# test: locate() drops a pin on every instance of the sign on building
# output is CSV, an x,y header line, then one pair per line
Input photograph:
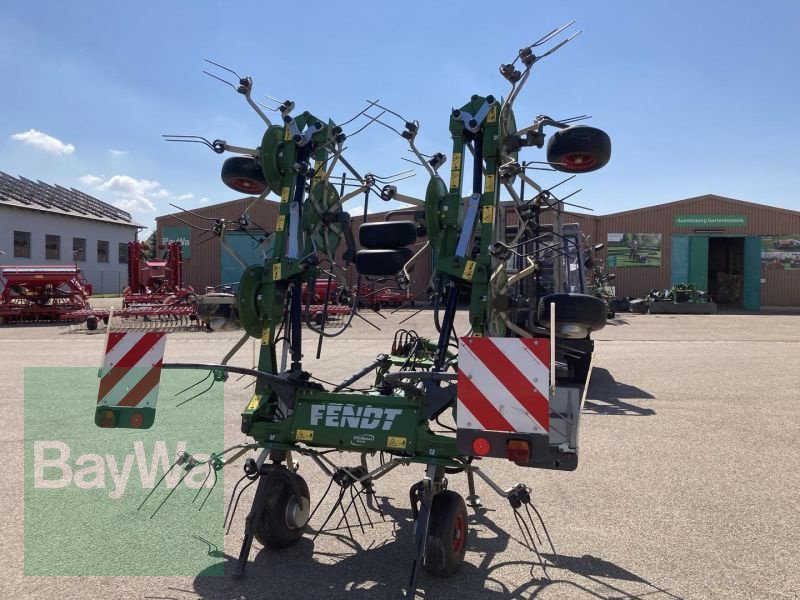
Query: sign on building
x,y
710,220
177,234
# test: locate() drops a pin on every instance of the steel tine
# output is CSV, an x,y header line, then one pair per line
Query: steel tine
x,y
230,502
236,505
223,67
195,384
557,46
221,79
213,485
159,482
549,36
196,395
180,481
200,489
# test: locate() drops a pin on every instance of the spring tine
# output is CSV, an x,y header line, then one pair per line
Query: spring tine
x,y
236,504
544,527
389,127
330,514
328,489
390,111
195,384
164,476
211,385
549,36
370,104
559,45
220,79
180,481
223,67
364,506
370,122
233,493
200,489
416,313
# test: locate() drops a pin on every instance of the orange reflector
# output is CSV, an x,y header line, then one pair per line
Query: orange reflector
x,y
107,418
480,446
136,420
519,451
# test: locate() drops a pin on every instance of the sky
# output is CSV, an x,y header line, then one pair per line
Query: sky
x,y
698,97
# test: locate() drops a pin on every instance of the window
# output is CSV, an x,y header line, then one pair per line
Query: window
x,y
123,253
79,249
22,244
52,247
102,251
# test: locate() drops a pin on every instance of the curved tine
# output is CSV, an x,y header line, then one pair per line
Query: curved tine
x,y
413,162
262,105
396,179
544,527
194,214
324,495
557,46
224,67
390,111
549,36
386,178
370,104
236,505
195,139
196,395
195,384
370,122
574,119
389,127
221,79
213,485
200,489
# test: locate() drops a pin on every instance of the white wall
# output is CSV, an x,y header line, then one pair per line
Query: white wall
x,y
106,278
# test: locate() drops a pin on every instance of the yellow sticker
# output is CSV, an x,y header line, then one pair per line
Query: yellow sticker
x,y
276,271
254,402
285,194
455,178
304,435
488,185
319,171
456,161
287,134
487,214
469,269
492,116
396,442
265,333
280,223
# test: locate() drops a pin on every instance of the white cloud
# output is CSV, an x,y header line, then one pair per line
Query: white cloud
x,y
184,197
45,142
204,200
90,180
125,184
118,152
135,204
162,193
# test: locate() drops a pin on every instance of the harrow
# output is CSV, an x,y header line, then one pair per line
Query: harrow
x,y
513,385
42,293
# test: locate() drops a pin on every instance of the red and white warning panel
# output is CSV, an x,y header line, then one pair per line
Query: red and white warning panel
x,y
129,379
503,395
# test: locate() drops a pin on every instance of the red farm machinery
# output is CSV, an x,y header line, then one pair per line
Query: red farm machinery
x,y
42,293
155,281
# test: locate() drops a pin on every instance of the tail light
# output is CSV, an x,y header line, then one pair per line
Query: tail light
x,y
519,451
480,446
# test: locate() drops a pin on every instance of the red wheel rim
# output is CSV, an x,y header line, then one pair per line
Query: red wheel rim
x,y
458,534
578,161
246,185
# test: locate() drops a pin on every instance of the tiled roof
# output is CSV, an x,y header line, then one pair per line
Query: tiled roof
x,y
36,195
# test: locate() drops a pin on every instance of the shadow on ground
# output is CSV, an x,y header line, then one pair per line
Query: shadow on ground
x,y
607,396
380,569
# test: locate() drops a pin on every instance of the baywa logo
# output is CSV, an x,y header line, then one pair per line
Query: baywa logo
x,y
56,466
102,502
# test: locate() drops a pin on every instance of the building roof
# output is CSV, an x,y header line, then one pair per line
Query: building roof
x,y
35,195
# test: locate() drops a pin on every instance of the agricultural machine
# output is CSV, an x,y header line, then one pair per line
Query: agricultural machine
x,y
41,293
156,281
511,387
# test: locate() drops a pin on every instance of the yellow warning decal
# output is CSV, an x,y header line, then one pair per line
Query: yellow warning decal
x,y
455,178
285,194
276,271
319,171
492,116
254,402
469,270
287,134
487,214
396,442
456,161
280,223
489,184
265,333
304,435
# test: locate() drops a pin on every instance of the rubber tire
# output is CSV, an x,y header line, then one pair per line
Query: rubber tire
x,y
575,140
382,263
444,553
91,323
271,530
578,309
243,174
391,234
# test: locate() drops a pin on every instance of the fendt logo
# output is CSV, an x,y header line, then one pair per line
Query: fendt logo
x,y
356,417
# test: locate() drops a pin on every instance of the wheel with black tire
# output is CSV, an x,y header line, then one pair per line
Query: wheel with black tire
x,y
579,149
91,323
390,234
577,315
382,263
243,174
447,534
284,515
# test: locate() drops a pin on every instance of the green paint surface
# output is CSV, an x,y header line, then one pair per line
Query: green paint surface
x,y
78,521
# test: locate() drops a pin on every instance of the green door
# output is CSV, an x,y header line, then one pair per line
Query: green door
x,y
698,262
751,296
679,259
248,249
